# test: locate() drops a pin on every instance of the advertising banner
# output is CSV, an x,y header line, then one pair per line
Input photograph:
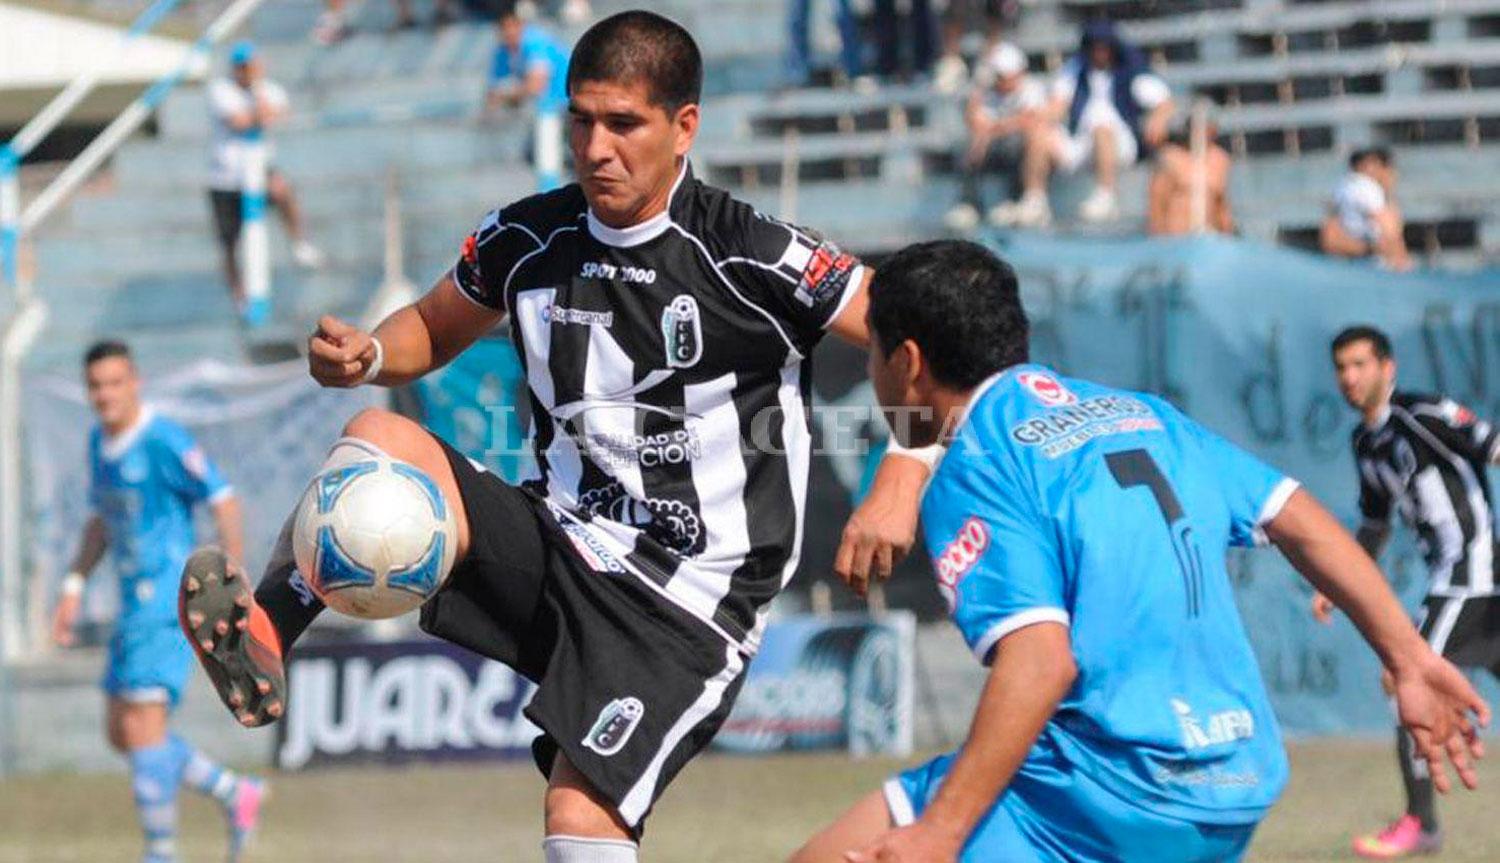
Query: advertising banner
x,y
400,701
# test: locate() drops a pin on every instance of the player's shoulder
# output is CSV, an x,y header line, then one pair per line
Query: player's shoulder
x,y
728,226
542,213
165,430
1421,404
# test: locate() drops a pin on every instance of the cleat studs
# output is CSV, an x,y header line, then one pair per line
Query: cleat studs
x,y
263,686
195,619
242,624
273,710
247,719
191,585
236,700
243,600
206,643
222,627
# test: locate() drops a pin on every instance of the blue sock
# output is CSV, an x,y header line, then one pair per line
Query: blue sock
x,y
203,774
154,773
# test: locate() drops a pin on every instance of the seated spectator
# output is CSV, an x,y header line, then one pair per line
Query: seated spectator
x,y
1364,220
1005,104
333,25
1109,110
1174,180
531,67
243,108
799,56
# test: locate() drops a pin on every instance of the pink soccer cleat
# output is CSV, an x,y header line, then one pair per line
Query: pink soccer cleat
x,y
244,813
1403,838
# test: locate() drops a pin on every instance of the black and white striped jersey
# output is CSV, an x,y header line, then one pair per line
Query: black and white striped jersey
x,y
1427,458
667,366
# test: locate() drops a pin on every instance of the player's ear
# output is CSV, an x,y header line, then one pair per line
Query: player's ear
x,y
911,363
685,128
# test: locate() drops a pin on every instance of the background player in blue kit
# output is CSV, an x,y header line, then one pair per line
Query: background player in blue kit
x,y
146,475
531,65
1079,535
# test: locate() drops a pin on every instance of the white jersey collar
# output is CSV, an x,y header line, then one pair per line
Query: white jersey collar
x,y
640,232
111,447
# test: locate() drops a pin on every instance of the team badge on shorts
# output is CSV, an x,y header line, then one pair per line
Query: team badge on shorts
x,y
683,332
1047,389
616,722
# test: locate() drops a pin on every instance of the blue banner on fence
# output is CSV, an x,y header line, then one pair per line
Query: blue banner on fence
x,y
828,682
400,701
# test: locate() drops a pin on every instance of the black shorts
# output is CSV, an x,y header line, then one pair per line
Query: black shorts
x,y
1465,630
630,687
229,214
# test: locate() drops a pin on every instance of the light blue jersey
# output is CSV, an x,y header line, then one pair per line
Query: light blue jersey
x,y
539,50
1111,512
144,483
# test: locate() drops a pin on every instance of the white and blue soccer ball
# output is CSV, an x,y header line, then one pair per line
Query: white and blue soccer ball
x,y
374,538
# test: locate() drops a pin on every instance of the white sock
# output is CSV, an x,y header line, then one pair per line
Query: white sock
x,y
350,449
578,849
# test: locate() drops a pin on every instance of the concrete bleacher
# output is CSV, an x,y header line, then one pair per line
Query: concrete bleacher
x,y
1301,83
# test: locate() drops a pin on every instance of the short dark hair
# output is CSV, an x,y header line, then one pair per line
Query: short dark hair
x,y
1362,333
104,349
1379,154
507,9
959,302
641,46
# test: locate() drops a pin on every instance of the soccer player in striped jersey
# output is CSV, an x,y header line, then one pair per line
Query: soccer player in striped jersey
x,y
1424,456
146,475
665,330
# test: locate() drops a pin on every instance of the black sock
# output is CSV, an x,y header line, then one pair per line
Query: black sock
x,y
1421,800
285,597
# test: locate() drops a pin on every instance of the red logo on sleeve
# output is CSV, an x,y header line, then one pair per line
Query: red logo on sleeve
x,y
826,274
471,250
959,557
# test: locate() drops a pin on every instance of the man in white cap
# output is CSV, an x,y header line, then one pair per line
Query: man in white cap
x,y
1005,103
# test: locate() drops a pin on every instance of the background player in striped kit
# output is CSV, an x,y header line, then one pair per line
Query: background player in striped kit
x,y
665,330
1424,456
147,474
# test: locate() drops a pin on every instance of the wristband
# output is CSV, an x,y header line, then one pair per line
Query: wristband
x,y
376,364
927,455
72,585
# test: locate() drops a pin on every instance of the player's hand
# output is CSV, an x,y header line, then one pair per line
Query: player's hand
x,y
879,533
1443,713
339,354
918,842
1322,608
64,619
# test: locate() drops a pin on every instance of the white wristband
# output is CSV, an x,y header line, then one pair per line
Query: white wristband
x,y
376,364
72,585
928,455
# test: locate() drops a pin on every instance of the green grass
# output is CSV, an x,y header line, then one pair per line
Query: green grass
x,y
721,809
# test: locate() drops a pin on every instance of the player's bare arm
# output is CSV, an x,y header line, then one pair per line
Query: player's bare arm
x,y
1372,537
91,545
1435,701
1032,671
230,526
413,341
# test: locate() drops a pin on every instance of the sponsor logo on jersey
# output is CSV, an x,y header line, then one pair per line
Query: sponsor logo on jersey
x,y
1226,726
1066,428
960,556
825,276
683,332
616,722
1047,389
678,446
616,272
590,548
671,523
552,314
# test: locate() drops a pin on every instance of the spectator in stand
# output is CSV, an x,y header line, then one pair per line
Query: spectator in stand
x,y
988,18
1109,110
1177,175
531,67
243,109
333,25
1364,220
1006,103
799,59
920,28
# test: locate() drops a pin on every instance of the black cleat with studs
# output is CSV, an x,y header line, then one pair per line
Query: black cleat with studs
x,y
216,608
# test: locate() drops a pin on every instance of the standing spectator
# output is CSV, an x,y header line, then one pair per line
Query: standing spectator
x,y
1005,103
532,66
1176,176
332,25
919,27
1111,108
1364,220
243,108
799,60
442,14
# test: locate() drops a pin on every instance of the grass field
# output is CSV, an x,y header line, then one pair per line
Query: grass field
x,y
721,809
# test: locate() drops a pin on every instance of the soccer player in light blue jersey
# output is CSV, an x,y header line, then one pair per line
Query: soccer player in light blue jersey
x,y
146,475
1079,535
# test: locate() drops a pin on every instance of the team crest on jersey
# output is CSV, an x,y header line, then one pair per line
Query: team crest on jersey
x,y
1047,389
616,722
682,330
959,557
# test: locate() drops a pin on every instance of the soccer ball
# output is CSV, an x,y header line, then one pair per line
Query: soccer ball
x,y
374,538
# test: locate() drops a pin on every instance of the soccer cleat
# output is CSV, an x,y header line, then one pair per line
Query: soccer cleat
x,y
244,813
234,639
1404,837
